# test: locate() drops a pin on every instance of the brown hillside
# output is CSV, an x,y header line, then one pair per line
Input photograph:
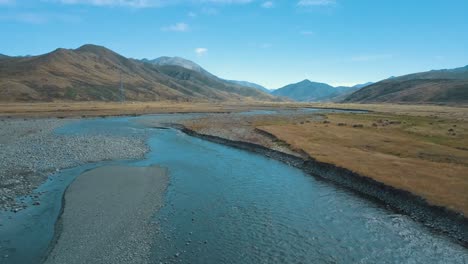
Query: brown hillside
x,y
442,86
93,73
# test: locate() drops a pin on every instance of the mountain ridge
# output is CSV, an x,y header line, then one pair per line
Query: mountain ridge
x,y
309,91
434,86
188,64
93,72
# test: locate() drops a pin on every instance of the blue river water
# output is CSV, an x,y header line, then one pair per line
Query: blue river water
x,y
225,205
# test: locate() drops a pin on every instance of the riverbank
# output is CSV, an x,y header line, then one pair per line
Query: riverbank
x,y
439,218
422,158
107,216
30,151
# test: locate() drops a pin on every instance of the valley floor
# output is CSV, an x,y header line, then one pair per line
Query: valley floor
x,y
101,109
420,149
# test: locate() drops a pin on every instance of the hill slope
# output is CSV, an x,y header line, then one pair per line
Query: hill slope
x,y
251,85
308,91
437,86
178,61
188,64
93,73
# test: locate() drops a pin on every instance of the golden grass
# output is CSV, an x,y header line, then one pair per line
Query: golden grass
x,y
425,155
78,109
459,112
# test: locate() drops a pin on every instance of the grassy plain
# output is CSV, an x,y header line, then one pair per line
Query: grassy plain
x,y
89,109
422,149
426,155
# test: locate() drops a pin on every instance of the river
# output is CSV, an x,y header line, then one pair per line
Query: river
x,y
225,205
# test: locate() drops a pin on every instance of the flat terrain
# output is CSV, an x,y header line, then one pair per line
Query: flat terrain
x,y
422,149
107,216
30,150
419,148
92,109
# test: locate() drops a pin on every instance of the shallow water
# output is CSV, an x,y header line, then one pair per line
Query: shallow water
x,y
229,206
226,205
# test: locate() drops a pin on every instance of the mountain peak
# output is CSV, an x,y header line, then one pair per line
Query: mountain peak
x,y
91,48
178,61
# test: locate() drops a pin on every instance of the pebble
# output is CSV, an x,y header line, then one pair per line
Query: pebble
x,y
30,151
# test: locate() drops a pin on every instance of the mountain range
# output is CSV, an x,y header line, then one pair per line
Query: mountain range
x,y
436,86
308,91
93,73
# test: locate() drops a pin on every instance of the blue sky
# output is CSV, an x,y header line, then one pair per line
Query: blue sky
x,y
273,43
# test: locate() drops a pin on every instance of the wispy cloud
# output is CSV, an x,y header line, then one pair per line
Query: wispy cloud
x,y
7,2
178,27
268,4
201,51
123,3
373,57
39,18
223,1
142,3
316,2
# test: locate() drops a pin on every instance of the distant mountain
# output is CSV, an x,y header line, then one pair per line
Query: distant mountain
x,y
307,91
436,86
362,85
251,85
188,64
93,73
178,61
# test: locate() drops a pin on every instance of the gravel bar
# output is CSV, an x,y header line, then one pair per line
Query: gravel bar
x,y
107,216
30,151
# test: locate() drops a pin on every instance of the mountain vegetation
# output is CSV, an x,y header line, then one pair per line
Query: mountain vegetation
x,y
94,73
188,64
436,86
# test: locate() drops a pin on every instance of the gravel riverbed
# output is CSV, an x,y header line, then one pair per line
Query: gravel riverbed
x,y
30,151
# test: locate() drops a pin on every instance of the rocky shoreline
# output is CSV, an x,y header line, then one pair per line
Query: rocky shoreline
x,y
30,150
438,218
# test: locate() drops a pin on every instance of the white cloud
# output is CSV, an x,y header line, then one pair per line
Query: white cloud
x,y
316,2
142,3
268,4
224,1
178,27
123,3
372,57
201,51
